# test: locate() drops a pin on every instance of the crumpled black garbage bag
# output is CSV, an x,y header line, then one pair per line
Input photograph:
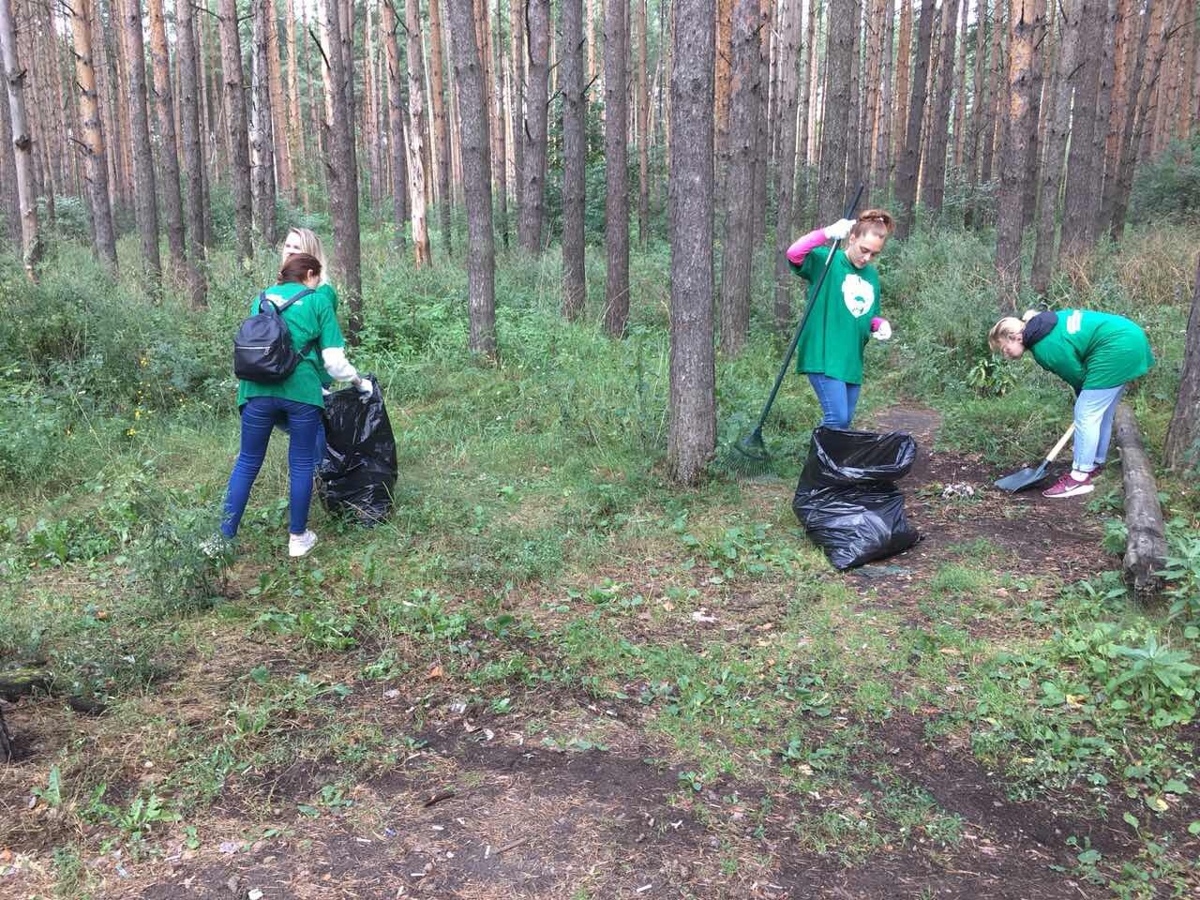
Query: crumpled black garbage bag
x,y
357,477
846,500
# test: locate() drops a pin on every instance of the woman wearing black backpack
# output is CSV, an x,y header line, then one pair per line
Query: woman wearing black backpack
x,y
297,399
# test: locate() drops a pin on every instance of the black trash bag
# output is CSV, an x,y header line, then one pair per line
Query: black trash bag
x,y
357,477
846,500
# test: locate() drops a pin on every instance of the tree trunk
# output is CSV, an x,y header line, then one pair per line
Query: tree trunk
x,y
262,141
441,136
477,178
574,162
789,42
295,140
235,127
836,124
145,189
616,121
908,167
746,93
341,166
22,142
396,141
691,436
1146,543
499,112
281,151
1082,203
933,173
1026,29
1045,254
904,41
533,131
194,197
8,175
1182,448
722,100
643,126
517,106
416,135
92,137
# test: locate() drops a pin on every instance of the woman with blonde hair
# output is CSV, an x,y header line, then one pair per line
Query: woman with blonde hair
x,y
1097,354
843,309
298,400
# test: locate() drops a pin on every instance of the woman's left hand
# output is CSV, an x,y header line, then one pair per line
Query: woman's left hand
x,y
881,329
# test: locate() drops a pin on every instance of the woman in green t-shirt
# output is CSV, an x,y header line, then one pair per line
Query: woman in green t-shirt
x,y
843,309
298,400
1097,354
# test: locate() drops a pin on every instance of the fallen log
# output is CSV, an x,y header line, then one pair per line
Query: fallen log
x,y
1146,542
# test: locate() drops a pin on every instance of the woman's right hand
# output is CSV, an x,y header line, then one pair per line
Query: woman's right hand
x,y
839,230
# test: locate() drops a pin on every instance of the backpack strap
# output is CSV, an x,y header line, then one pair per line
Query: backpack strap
x,y
297,296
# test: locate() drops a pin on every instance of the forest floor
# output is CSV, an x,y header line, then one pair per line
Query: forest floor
x,y
429,784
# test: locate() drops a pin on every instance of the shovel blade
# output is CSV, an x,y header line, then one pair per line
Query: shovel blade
x,y
1022,478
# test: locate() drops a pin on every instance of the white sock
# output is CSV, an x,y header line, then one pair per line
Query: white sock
x,y
1079,476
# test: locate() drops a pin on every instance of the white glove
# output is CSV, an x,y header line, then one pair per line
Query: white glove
x,y
364,388
839,230
882,332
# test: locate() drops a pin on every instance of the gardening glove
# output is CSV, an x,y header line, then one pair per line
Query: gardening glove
x,y
839,230
881,329
364,388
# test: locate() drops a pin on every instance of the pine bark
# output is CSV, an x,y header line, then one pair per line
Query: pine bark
x,y
195,198
616,124
910,158
574,298
145,189
281,151
1025,30
235,127
933,172
262,139
1182,447
691,436
91,143
295,140
22,142
643,125
341,165
533,131
417,135
746,95
441,136
477,178
1045,254
396,140
1081,207
499,111
517,103
789,88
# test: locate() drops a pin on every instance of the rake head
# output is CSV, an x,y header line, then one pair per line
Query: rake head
x,y
748,455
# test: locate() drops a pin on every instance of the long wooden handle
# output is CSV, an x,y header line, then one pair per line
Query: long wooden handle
x,y
1062,442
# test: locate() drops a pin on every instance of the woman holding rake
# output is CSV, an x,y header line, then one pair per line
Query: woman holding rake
x,y
843,309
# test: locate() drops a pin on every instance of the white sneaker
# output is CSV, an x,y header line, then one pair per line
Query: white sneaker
x,y
300,544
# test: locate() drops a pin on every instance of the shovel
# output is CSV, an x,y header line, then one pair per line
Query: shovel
x,y
1029,476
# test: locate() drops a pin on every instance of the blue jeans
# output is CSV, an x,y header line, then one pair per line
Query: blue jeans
x,y
837,398
281,423
258,419
1094,411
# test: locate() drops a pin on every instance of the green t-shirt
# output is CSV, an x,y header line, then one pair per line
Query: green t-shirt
x,y
839,324
312,322
1094,350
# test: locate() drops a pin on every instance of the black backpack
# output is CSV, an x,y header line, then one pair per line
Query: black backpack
x,y
262,347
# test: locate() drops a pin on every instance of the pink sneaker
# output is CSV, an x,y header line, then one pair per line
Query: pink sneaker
x,y
1067,486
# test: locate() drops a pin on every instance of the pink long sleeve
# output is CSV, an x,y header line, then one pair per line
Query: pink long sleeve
x,y
804,245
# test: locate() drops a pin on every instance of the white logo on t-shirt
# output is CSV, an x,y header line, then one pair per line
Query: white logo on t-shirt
x,y
1075,321
858,294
